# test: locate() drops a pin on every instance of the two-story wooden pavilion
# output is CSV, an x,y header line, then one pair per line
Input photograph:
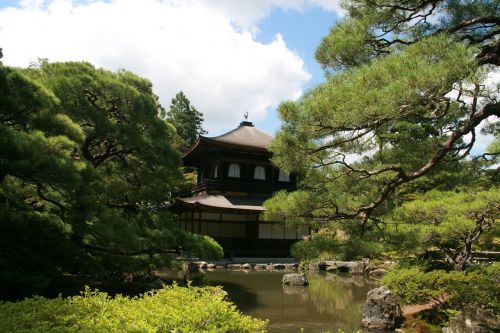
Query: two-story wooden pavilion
x,y
235,177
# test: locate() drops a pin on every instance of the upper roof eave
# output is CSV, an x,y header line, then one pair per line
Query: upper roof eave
x,y
258,140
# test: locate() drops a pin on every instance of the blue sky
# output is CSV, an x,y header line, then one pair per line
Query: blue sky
x,y
302,31
229,57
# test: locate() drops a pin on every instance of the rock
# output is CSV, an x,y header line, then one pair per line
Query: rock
x,y
381,310
233,266
279,266
358,268
190,267
295,279
155,284
290,267
199,264
355,267
473,320
398,330
211,266
246,266
313,266
260,267
377,272
328,265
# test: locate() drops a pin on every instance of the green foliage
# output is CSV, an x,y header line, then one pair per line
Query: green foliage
x,y
320,247
324,246
34,252
203,246
450,221
87,171
187,121
171,309
405,86
451,290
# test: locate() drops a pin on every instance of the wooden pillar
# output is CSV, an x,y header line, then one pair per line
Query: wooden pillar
x,y
253,233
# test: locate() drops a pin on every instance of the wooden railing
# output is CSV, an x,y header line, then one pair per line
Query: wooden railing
x,y
216,185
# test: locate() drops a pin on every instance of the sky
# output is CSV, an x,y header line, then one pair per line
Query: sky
x,y
229,57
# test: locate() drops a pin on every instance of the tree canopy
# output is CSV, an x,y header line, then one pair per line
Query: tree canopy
x,y
186,119
87,170
449,221
398,115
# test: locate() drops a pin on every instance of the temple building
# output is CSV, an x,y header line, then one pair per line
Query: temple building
x,y
235,177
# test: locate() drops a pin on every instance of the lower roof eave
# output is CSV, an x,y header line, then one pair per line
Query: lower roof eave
x,y
219,204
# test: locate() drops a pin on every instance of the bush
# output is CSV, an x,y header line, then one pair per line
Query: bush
x,y
479,286
327,247
171,309
317,247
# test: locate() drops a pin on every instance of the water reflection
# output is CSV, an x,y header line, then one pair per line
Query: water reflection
x,y
330,301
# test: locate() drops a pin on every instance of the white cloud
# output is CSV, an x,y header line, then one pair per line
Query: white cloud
x,y
246,14
179,45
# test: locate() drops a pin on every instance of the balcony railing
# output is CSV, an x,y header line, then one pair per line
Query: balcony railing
x,y
216,185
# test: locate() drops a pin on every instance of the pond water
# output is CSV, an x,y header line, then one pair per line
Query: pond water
x,y
331,301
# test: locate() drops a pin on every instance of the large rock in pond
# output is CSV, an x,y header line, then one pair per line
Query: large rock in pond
x,y
381,310
295,279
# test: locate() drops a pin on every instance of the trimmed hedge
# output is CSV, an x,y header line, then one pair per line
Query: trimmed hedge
x,y
171,309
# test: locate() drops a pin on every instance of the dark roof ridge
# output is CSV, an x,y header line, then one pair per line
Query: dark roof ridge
x,y
244,135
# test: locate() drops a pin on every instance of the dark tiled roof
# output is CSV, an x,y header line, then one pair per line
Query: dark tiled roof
x,y
245,135
244,138
246,203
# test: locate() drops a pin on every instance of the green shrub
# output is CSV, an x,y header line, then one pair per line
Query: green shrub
x,y
317,247
327,247
171,309
479,286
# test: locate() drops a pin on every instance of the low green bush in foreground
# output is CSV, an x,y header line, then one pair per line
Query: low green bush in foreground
x,y
171,309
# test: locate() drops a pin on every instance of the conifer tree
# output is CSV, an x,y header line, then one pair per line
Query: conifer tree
x,y
87,171
399,113
186,119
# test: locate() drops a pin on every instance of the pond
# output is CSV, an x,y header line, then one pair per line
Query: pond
x,y
330,302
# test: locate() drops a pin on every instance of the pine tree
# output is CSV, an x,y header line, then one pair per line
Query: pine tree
x,y
404,90
87,171
186,119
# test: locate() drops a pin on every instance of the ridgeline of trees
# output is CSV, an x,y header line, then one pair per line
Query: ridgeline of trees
x,y
87,172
